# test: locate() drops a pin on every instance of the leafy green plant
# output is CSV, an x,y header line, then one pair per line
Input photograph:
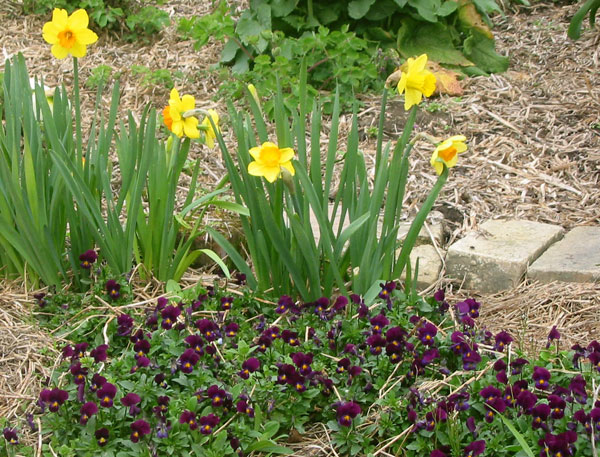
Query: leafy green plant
x,y
217,25
147,22
135,18
589,7
99,77
286,255
154,78
450,32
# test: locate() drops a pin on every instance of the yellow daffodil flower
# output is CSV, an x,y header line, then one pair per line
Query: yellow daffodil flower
x,y
447,153
209,133
68,34
269,161
416,81
175,119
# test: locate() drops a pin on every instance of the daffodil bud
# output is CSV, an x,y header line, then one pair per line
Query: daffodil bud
x,y
287,179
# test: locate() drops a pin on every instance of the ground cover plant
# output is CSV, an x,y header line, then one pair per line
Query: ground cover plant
x,y
211,372
349,45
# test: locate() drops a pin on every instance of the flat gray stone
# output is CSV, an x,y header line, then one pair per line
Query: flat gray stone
x,y
430,265
433,229
576,258
496,257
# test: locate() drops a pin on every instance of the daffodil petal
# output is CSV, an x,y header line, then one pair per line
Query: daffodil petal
x,y
86,36
50,32
289,167
178,128
286,154
188,103
419,63
402,82
429,84
78,20
271,173
77,50
255,169
190,127
255,153
58,51
412,97
460,147
60,17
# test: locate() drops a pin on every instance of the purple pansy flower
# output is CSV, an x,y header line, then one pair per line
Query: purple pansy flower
x,y
87,410
53,398
346,412
102,436
188,360
541,376
106,394
131,400
113,288
10,435
188,417
88,258
138,429
208,423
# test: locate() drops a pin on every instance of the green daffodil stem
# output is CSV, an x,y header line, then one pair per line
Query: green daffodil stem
x,y
415,228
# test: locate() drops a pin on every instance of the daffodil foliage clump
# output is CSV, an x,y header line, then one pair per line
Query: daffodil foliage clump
x,y
213,373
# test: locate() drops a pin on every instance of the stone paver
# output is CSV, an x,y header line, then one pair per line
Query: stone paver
x,y
430,265
576,258
496,257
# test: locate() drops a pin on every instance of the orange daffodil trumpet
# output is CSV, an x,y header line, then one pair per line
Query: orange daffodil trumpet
x,y
416,81
270,161
446,153
68,34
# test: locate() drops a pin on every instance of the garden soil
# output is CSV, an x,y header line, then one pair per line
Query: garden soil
x,y
534,154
